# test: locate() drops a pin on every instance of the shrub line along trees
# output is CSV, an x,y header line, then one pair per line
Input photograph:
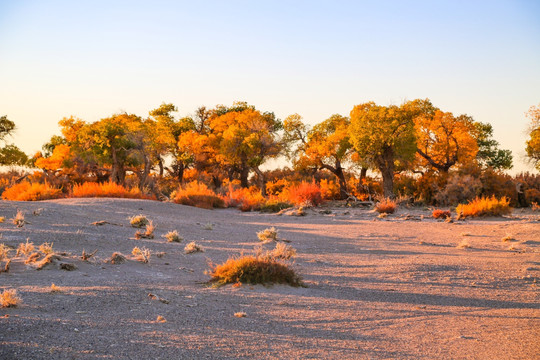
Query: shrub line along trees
x,y
229,144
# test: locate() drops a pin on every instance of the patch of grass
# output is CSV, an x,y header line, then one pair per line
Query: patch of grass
x,y
281,251
268,235
25,248
9,298
386,206
240,314
173,236
25,191
441,214
138,221
19,220
192,247
46,248
274,206
55,289
147,234
253,270
141,254
484,207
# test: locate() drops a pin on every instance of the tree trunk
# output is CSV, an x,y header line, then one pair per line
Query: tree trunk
x,y
386,167
161,167
338,172
244,173
262,180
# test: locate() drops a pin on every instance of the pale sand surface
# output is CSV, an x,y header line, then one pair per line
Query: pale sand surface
x,y
376,288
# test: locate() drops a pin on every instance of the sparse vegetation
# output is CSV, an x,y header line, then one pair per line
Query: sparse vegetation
x,y
386,206
138,221
147,234
508,237
173,236
9,298
25,248
117,258
485,207
267,235
441,214
281,251
19,220
141,254
4,252
55,289
192,247
208,226
240,314
254,270
46,248
107,189
25,191
198,195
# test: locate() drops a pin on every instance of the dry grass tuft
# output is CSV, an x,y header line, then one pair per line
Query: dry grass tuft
x,y
464,244
46,248
282,251
34,257
208,226
192,247
160,319
9,298
4,252
2,219
508,238
148,233
55,289
535,206
117,259
141,254
25,248
484,207
386,206
138,221
49,259
268,235
6,266
18,220
441,214
240,314
108,189
173,236
85,256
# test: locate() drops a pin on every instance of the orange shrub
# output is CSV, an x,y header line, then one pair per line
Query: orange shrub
x,y
303,194
254,270
329,189
25,191
485,207
198,195
386,206
246,199
441,214
276,187
108,189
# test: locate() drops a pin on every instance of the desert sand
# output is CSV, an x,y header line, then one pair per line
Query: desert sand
x,y
392,288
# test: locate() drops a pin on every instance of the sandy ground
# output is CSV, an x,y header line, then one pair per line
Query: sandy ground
x,y
394,288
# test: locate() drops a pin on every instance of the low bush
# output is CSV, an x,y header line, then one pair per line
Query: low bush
x,y
275,205
246,199
26,191
138,221
254,270
386,206
107,189
441,214
192,247
9,298
173,236
267,235
198,195
484,207
305,194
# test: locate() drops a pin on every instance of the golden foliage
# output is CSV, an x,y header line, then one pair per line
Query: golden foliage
x,y
107,189
26,191
485,206
197,194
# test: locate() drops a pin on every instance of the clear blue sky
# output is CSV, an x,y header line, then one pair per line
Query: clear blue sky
x,y
91,59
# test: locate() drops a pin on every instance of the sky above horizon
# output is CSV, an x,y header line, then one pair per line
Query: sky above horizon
x,y
315,58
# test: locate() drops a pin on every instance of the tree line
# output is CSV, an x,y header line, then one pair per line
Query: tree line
x,y
234,142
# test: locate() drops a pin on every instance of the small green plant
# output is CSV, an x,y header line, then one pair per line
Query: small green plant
x,y
173,236
138,221
142,254
9,298
148,233
192,247
268,235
